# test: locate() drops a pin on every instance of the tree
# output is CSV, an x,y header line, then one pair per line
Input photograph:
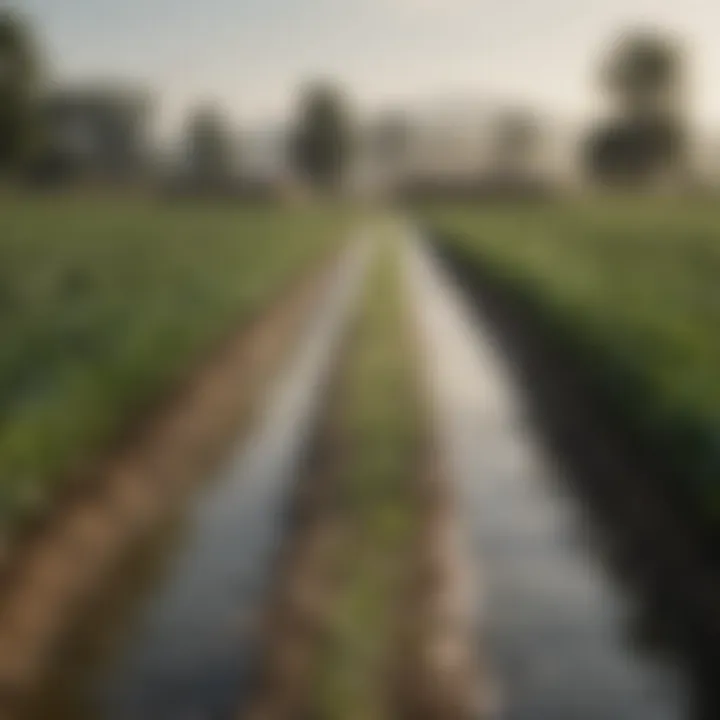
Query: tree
x,y
645,75
321,145
629,152
18,88
646,139
209,146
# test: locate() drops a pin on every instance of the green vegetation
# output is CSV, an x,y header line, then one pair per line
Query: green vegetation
x,y
633,289
19,77
105,305
646,137
379,426
322,143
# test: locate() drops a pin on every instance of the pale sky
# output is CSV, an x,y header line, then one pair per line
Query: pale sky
x,y
250,55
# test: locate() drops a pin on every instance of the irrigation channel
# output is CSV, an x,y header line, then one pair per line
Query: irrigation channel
x,y
551,621
188,651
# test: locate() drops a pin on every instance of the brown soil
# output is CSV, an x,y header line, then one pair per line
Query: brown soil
x,y
50,576
439,671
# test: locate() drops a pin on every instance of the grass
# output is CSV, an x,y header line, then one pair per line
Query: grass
x,y
105,305
633,289
379,421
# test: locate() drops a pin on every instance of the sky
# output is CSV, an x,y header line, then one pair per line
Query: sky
x,y
250,56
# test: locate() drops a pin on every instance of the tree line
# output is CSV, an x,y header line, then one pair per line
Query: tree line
x,y
645,137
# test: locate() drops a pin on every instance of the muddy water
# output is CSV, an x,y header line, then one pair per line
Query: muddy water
x,y
181,645
553,624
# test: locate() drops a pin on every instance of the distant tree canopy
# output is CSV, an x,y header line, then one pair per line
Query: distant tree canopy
x,y
645,75
322,141
629,152
19,67
210,150
646,139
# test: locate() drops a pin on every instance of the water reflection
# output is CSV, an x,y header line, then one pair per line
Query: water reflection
x,y
175,635
561,631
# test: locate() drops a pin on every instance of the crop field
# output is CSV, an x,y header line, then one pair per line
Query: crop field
x,y
632,288
105,305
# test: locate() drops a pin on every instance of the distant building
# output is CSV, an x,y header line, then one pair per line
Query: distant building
x,y
98,133
465,148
